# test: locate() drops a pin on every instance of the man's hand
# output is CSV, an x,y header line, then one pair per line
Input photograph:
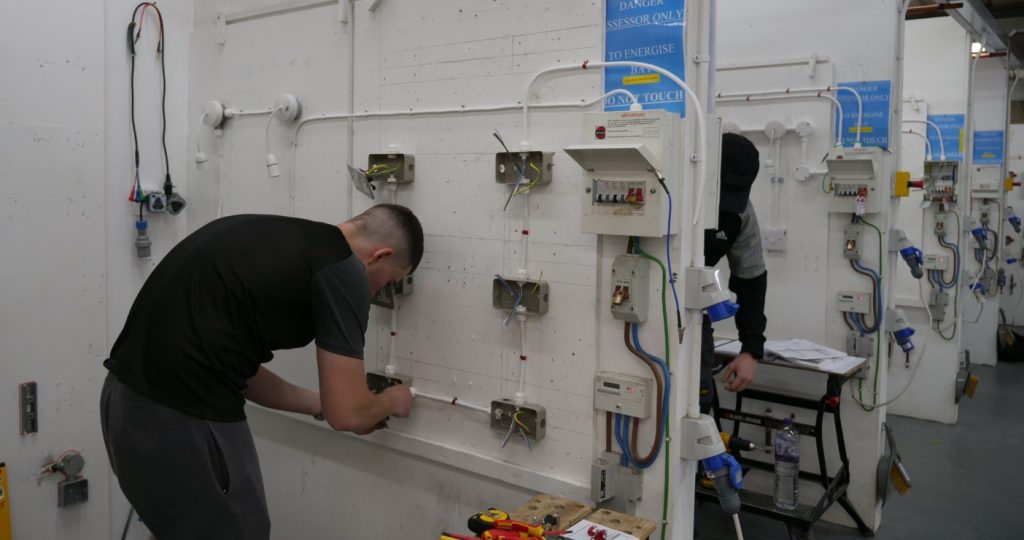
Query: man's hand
x,y
740,373
401,400
379,425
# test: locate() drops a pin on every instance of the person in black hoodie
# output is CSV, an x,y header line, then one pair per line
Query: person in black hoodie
x,y
738,239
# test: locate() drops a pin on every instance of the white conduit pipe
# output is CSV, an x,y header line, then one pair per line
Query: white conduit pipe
x,y
927,143
801,91
523,271
453,401
819,95
698,107
929,123
520,395
430,112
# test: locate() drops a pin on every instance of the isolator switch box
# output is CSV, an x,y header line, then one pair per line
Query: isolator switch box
x,y
854,302
860,346
630,286
623,394
943,224
855,174
940,179
622,158
987,181
937,303
853,233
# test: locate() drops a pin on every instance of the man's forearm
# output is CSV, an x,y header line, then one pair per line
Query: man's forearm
x,y
750,319
269,390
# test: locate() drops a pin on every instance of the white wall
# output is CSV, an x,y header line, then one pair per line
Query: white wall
x,y
929,91
70,270
803,281
52,327
450,338
989,113
125,273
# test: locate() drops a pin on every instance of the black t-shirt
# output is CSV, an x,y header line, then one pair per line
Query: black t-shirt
x,y
228,295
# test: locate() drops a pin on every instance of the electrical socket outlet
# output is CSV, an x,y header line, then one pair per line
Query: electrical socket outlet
x,y
535,418
852,235
774,240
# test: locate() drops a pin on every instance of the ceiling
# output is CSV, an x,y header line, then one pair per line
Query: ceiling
x,y
1008,16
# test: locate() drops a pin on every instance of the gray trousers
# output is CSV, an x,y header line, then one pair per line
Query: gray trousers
x,y
187,478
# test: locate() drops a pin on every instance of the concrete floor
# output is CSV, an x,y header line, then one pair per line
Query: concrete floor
x,y
968,480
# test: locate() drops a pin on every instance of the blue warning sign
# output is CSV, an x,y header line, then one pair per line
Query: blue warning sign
x,y
951,127
874,123
649,31
988,147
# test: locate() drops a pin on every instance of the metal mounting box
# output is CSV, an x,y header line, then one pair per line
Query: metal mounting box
x,y
630,288
534,294
624,152
623,394
535,418
401,166
506,167
856,175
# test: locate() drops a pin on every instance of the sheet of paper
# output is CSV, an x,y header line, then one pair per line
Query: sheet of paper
x,y
579,532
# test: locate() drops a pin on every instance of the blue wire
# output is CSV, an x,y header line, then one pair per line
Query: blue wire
x,y
626,459
519,297
668,253
859,323
666,377
878,287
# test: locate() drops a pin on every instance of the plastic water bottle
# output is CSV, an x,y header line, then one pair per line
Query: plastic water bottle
x,y
787,466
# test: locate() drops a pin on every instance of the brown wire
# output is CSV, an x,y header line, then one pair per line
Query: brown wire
x,y
658,416
608,431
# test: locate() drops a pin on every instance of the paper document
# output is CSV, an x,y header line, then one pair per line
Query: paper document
x,y
579,532
801,352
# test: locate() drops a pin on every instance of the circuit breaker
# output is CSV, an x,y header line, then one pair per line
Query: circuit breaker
x,y
630,286
622,159
623,394
940,178
986,182
855,174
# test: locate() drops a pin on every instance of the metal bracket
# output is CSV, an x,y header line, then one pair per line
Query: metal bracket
x,y
701,58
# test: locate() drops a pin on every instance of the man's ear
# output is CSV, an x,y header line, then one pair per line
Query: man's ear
x,y
381,254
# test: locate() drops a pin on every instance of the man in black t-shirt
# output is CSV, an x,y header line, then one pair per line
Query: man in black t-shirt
x,y
193,347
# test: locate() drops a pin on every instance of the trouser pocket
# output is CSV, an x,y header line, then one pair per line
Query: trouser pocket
x,y
218,461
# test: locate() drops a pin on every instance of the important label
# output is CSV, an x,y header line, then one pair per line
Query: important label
x,y
989,147
649,31
874,120
951,127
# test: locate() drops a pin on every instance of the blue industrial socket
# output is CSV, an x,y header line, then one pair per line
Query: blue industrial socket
x,y
722,310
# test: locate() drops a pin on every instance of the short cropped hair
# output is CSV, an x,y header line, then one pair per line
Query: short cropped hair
x,y
395,226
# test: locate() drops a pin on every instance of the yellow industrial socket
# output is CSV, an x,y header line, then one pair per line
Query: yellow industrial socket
x,y
902,188
1009,184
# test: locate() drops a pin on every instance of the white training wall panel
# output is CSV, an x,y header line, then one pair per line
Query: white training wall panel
x,y
928,91
990,110
411,55
1012,303
53,321
802,282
